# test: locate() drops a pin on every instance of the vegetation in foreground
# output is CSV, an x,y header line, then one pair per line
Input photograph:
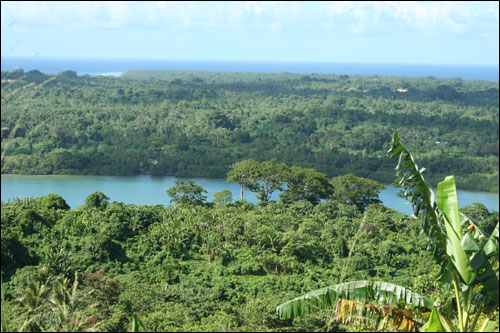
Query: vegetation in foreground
x,y
197,266
468,260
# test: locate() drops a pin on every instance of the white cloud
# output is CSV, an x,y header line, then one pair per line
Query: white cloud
x,y
444,16
361,17
252,7
339,8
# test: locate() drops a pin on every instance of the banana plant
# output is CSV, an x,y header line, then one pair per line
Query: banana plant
x,y
466,255
350,300
51,301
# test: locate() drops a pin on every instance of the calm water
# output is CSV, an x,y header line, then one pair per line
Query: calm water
x,y
147,190
101,66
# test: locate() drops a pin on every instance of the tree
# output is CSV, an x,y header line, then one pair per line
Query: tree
x,y
306,184
263,178
97,200
243,173
187,192
54,201
466,255
272,176
222,197
53,305
357,191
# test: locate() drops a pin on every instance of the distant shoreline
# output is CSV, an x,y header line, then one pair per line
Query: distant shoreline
x,y
195,178
76,187
106,66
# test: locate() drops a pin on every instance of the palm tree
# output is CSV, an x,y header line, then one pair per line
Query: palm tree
x,y
466,255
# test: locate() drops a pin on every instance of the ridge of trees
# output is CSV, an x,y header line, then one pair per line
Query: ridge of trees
x,y
195,123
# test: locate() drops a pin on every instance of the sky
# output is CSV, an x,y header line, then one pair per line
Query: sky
x,y
425,32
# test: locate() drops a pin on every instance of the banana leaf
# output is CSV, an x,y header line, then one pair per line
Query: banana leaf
x,y
448,204
360,291
467,254
470,255
420,194
485,275
436,323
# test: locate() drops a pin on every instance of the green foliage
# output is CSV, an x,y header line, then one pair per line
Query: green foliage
x,y
97,200
271,176
5,319
199,123
223,197
212,267
137,324
266,177
467,258
480,215
14,253
306,184
263,178
187,192
356,191
54,201
52,304
245,174
199,267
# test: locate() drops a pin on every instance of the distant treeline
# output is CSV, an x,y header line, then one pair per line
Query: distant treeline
x,y
197,123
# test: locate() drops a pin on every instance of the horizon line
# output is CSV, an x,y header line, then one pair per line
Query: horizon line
x,y
243,60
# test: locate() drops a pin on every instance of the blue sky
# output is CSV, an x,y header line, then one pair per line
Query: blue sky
x,y
345,31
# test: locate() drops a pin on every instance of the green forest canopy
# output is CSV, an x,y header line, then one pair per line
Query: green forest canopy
x,y
199,123
198,266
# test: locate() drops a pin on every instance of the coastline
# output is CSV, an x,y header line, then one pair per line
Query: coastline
x,y
92,66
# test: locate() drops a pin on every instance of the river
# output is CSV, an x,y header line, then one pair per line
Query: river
x,y
147,190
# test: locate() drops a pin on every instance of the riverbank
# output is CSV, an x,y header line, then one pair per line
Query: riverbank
x,y
432,180
149,190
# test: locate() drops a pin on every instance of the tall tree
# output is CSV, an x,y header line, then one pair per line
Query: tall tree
x,y
272,175
306,184
187,192
357,191
243,173
262,178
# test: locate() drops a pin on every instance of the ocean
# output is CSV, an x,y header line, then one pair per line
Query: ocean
x,y
117,66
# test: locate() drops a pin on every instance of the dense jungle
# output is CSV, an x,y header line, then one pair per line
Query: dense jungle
x,y
198,123
224,266
326,256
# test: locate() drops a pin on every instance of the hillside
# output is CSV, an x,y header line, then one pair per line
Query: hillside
x,y
194,123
